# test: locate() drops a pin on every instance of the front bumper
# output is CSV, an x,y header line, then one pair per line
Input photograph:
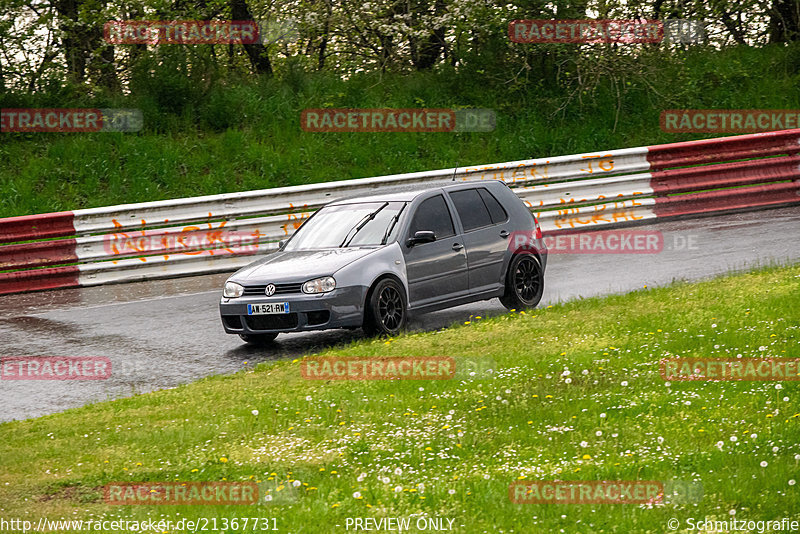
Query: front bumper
x,y
341,308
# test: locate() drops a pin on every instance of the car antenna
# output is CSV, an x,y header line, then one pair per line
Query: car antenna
x,y
454,174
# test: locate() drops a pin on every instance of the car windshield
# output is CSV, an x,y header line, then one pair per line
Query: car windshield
x,y
349,225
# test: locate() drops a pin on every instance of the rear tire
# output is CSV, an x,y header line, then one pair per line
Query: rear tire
x,y
524,282
386,310
258,339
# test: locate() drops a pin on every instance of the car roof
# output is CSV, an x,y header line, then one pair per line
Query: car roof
x,y
407,193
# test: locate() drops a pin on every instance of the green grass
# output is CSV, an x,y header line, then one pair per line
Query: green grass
x,y
455,446
241,135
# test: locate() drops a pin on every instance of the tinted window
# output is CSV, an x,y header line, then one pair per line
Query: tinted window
x,y
496,211
471,209
433,215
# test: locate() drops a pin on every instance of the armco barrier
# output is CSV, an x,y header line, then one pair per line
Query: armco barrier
x,y
220,233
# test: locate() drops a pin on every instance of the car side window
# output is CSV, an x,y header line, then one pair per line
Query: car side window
x,y
471,209
496,211
433,215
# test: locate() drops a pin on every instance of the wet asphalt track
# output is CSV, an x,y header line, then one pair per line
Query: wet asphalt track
x,y
163,333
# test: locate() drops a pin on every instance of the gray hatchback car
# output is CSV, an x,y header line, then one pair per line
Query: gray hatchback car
x,y
371,261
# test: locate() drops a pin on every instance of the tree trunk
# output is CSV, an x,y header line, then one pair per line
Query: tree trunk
x,y
734,28
325,36
784,21
83,45
2,74
106,67
71,42
102,61
136,50
257,52
425,52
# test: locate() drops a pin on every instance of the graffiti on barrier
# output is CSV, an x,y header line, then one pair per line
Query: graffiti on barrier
x,y
522,172
599,213
295,220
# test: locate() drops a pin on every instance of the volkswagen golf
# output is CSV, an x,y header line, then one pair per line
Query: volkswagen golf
x,y
372,261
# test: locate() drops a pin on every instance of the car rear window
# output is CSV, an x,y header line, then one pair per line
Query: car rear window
x,y
496,211
433,215
471,209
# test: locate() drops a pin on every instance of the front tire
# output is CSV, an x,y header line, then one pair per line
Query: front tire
x,y
524,282
258,339
386,310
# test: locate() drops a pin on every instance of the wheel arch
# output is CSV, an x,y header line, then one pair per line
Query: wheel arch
x,y
523,250
377,280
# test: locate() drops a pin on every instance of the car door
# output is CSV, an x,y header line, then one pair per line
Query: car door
x,y
485,227
436,271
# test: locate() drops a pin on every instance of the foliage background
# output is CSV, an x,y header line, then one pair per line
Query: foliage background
x,y
221,118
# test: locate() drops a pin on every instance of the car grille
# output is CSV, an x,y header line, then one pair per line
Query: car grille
x,y
280,289
271,322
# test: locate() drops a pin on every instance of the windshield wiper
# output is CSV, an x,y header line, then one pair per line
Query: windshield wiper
x,y
361,224
392,222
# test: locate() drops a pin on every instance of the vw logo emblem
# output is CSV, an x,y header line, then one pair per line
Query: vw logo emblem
x,y
270,290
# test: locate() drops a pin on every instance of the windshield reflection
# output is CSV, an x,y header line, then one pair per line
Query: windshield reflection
x,y
349,225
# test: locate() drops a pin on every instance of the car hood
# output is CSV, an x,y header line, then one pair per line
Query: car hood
x,y
299,265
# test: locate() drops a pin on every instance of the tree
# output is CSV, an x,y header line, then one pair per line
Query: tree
x,y
425,50
257,52
81,25
784,21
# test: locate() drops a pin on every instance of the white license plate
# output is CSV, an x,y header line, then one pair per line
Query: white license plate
x,y
267,309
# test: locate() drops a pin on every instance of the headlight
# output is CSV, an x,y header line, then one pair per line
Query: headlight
x,y
320,285
232,290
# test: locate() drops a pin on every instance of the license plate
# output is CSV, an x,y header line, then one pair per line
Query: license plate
x,y
267,309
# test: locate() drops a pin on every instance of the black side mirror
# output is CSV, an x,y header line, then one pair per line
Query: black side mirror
x,y
423,236
282,244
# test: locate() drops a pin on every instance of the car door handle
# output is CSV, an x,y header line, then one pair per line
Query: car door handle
x,y
504,233
457,246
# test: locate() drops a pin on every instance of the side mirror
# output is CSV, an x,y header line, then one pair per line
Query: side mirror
x,y
282,244
423,236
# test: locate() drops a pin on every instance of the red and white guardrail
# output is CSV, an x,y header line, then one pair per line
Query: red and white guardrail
x,y
223,232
